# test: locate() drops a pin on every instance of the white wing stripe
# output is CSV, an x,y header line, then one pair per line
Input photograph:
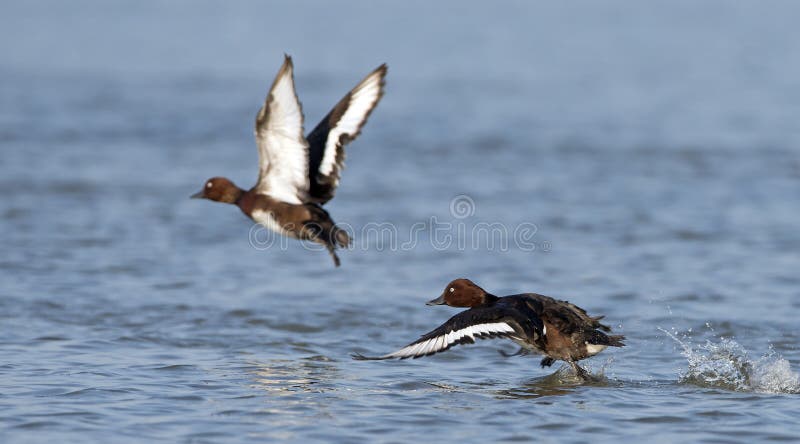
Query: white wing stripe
x,y
446,340
283,150
424,347
471,332
415,349
362,99
441,342
433,345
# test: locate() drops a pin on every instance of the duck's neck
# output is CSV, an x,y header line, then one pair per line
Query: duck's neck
x,y
236,195
245,200
489,299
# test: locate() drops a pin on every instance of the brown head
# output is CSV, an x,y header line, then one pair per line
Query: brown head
x,y
219,189
463,293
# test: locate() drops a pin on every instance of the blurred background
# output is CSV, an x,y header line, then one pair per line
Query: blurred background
x,y
654,147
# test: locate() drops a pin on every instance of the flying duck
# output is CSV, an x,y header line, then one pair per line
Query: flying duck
x,y
297,174
557,329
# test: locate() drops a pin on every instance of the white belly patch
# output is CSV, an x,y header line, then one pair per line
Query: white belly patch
x,y
267,219
593,349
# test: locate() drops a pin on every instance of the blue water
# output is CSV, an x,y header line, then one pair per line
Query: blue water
x,y
650,152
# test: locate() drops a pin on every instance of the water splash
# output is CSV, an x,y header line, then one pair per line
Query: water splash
x,y
726,364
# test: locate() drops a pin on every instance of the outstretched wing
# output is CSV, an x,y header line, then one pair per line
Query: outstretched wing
x,y
282,150
342,124
463,328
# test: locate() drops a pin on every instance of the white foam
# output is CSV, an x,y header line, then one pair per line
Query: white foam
x,y
726,364
773,374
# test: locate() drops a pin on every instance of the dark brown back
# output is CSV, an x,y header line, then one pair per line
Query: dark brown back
x,y
564,316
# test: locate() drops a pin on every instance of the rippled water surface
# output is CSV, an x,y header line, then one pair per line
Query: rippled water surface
x,y
648,154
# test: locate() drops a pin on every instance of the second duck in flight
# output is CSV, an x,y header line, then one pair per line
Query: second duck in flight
x,y
540,324
298,174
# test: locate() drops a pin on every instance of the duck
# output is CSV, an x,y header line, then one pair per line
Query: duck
x,y
557,329
298,174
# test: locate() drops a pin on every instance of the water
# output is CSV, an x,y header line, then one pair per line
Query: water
x,y
650,151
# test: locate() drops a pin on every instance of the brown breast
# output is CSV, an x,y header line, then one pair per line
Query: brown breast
x,y
558,345
247,202
289,216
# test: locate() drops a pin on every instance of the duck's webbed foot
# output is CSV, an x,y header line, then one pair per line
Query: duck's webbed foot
x,y
547,361
314,231
334,256
580,372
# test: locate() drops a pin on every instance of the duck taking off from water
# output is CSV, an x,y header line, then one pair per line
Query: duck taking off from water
x,y
557,329
297,174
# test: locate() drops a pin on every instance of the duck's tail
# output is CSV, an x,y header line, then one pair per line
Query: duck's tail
x,y
600,338
595,321
616,340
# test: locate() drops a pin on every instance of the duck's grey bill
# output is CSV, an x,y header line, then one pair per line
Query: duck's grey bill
x,y
437,301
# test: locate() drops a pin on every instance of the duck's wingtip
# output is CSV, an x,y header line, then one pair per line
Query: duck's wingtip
x,y
380,71
287,62
359,357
